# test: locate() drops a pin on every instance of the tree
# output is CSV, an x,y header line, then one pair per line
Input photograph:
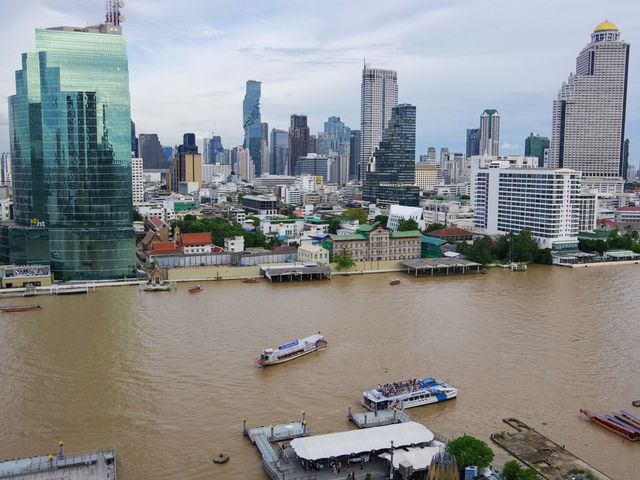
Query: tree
x,y
256,220
334,225
434,226
479,251
137,217
543,256
513,471
407,225
293,216
469,451
356,214
383,219
343,259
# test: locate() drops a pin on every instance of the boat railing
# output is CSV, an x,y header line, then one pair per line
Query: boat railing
x,y
43,464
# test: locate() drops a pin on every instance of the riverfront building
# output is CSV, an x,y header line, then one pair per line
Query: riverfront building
x,y
379,95
589,114
510,195
70,136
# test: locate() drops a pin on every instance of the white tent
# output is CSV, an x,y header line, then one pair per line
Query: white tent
x,y
418,458
360,441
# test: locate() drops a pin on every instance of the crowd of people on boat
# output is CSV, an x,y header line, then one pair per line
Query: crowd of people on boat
x,y
398,388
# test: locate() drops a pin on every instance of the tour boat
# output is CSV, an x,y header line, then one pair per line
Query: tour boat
x,y
250,280
395,281
407,394
20,308
156,287
195,288
289,351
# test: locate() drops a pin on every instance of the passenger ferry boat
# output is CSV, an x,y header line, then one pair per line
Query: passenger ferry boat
x,y
289,351
407,394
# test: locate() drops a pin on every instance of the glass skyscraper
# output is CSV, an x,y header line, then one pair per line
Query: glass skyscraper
x,y
70,136
252,124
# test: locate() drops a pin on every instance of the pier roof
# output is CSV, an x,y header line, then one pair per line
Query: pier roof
x,y
358,441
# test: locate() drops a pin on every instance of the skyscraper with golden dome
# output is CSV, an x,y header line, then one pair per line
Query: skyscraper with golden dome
x,y
589,114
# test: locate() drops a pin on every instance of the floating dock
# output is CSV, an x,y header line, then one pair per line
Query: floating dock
x,y
439,266
98,464
535,450
289,273
378,418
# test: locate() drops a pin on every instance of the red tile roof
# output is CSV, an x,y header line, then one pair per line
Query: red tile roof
x,y
606,221
148,237
628,209
217,249
164,248
189,239
157,222
450,232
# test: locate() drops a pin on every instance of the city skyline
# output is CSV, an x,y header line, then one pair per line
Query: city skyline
x,y
438,71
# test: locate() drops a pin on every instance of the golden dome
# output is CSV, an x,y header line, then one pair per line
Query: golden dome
x,y
606,25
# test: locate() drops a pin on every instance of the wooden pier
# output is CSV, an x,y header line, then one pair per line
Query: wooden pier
x,y
378,418
98,464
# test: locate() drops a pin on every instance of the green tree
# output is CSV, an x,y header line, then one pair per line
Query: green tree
x,y
343,259
356,214
255,220
273,241
513,471
137,217
479,251
383,219
469,451
543,256
434,226
334,225
407,225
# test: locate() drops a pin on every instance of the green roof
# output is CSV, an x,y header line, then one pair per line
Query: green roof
x,y
316,220
353,236
491,111
597,235
367,228
281,220
410,233
433,240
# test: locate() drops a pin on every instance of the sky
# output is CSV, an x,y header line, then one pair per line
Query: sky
x,y
189,60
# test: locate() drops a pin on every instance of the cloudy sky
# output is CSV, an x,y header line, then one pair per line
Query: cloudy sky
x,y
189,60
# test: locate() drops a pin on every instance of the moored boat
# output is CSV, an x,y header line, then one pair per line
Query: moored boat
x,y
195,288
395,281
407,394
250,280
156,287
623,423
20,308
291,350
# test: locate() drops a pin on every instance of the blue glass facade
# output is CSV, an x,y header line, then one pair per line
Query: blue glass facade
x,y
70,136
252,124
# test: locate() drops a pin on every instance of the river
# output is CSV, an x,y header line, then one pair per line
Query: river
x,y
166,377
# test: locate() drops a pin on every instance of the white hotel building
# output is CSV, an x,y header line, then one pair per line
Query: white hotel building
x,y
510,194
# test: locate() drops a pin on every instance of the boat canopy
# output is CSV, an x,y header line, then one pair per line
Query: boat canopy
x,y
360,441
288,345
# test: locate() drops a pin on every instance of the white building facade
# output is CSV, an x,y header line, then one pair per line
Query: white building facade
x,y
397,213
510,199
137,180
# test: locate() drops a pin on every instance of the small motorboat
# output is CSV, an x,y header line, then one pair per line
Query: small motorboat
x,y
195,288
20,308
250,280
395,281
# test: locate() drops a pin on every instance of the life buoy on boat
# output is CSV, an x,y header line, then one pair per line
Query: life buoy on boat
x,y
220,459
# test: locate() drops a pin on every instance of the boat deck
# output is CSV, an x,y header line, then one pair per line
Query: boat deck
x,y
98,464
378,418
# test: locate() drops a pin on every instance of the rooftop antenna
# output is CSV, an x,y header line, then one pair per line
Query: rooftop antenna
x,y
113,15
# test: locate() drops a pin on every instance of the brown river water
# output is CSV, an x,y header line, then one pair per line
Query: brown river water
x,y
166,377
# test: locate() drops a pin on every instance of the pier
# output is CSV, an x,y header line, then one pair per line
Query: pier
x,y
535,450
378,418
289,273
98,464
439,266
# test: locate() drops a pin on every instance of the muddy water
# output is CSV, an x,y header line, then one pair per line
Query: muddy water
x,y
167,377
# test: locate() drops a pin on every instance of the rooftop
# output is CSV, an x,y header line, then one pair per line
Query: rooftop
x,y
353,236
448,232
410,233
606,25
189,239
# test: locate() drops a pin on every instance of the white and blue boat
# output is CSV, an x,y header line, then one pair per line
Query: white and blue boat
x,y
291,350
407,394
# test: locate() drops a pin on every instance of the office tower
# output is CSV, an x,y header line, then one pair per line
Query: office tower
x,y
322,144
393,175
589,114
252,123
137,181
279,151
426,175
211,146
431,154
265,154
70,135
534,146
298,141
444,154
242,164
625,159
187,163
355,146
337,132
510,194
168,154
134,140
490,133
311,148
473,142
315,165
379,95
5,169
151,151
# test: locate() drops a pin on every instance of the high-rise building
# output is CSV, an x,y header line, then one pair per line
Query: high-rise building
x,y
311,147
431,153
322,144
252,124
426,175
355,146
5,169
473,142
315,165
243,166
337,132
444,154
625,160
70,136
490,133
134,140
534,146
589,114
211,146
298,141
279,151
379,95
151,151
137,181
392,176
187,164
265,154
